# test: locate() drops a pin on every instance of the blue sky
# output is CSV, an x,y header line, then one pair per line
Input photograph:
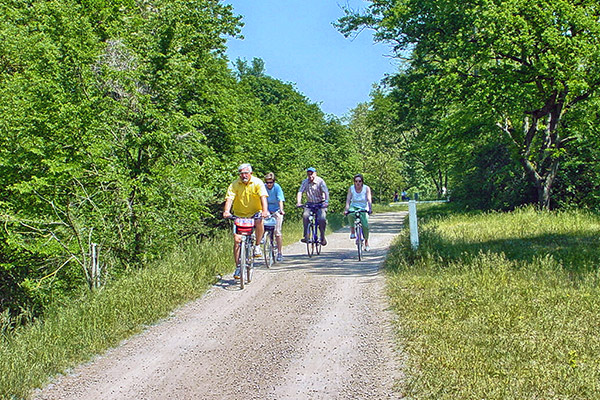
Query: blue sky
x,y
299,45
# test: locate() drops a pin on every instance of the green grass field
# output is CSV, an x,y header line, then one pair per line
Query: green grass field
x,y
499,305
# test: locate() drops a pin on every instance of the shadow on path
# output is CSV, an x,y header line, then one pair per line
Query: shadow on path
x,y
339,257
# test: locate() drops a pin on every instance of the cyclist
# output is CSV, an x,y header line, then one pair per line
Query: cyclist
x,y
359,198
248,196
275,202
316,192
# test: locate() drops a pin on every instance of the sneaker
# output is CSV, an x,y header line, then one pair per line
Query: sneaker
x,y
257,251
303,240
352,236
236,274
279,257
367,248
323,242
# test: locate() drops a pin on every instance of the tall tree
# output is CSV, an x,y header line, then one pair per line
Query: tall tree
x,y
522,65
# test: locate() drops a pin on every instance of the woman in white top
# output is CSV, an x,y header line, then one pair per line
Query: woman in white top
x,y
359,198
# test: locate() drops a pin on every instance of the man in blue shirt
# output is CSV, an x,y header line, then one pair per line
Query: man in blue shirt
x,y
275,200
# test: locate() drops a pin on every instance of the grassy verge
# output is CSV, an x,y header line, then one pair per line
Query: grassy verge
x,y
73,333
499,306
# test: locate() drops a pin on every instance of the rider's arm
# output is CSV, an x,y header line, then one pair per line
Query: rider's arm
x,y
265,206
227,208
325,191
348,198
299,199
281,207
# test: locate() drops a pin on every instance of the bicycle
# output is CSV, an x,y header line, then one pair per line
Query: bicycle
x,y
313,243
269,240
245,227
358,231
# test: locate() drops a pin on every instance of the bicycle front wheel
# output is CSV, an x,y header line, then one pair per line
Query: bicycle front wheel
x,y
268,250
359,241
316,240
250,263
243,262
310,245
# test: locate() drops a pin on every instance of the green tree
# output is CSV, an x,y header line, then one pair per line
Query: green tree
x,y
113,115
521,65
376,155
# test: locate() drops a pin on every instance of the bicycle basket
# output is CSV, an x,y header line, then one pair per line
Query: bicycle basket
x,y
244,226
270,221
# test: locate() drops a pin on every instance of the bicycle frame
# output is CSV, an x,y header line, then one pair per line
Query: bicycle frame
x,y
269,245
358,230
313,244
246,253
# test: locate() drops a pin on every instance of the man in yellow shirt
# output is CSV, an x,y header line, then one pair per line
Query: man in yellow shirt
x,y
248,196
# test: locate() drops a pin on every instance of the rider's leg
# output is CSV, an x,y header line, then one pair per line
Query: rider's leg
x,y
350,220
322,224
277,232
237,239
364,219
305,215
259,229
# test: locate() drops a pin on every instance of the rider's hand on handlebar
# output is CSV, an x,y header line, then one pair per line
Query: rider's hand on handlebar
x,y
226,214
298,205
265,214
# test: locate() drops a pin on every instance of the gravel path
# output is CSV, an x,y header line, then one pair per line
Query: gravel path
x,y
305,329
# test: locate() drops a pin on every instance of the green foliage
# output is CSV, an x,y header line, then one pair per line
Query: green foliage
x,y
121,125
491,181
527,70
377,155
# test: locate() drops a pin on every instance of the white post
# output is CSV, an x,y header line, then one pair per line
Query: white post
x,y
412,222
95,281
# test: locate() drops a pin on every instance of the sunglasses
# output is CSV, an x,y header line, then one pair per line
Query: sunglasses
x,y
269,182
358,180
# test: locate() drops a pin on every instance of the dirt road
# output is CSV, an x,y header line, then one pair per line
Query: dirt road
x,y
305,329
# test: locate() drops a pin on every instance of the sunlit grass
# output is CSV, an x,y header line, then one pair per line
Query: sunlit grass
x,y
500,306
73,333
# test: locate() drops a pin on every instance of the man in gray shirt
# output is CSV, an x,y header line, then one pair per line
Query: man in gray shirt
x,y
317,194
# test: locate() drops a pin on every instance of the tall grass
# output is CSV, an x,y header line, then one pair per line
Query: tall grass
x,y
499,306
73,333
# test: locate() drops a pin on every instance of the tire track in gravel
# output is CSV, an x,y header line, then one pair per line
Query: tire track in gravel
x,y
315,328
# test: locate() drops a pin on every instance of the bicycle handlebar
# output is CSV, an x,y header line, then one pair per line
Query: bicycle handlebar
x,y
357,211
254,216
311,205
